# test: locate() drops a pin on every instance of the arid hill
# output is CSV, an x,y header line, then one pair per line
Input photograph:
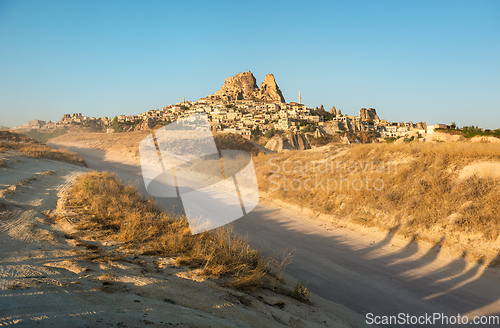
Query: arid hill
x,y
32,148
435,192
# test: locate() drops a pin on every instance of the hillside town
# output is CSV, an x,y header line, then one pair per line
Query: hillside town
x,y
242,108
243,116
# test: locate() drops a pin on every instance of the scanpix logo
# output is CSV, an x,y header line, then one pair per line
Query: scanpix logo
x,y
216,186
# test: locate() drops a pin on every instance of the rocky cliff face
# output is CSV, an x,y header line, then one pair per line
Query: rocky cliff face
x,y
421,126
295,141
243,86
334,126
239,87
298,141
269,90
278,144
147,124
367,114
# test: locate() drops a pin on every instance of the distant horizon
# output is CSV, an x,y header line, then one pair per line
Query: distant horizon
x,y
431,61
258,83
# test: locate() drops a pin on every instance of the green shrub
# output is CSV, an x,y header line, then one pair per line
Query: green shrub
x,y
407,140
300,292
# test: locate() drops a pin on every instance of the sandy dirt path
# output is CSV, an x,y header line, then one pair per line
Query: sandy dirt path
x,y
364,270
49,277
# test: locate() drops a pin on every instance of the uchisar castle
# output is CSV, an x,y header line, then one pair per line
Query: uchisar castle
x,y
244,108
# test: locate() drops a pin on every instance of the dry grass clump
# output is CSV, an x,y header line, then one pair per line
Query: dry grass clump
x,y
412,187
118,212
34,149
465,149
44,151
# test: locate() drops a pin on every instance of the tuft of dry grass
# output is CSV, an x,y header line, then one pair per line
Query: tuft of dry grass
x,y
300,291
421,194
116,211
34,149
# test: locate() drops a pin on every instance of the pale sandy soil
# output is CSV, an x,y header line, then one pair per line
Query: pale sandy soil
x,y
48,278
482,169
377,246
364,268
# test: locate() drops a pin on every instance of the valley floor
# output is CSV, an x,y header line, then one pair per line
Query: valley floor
x,y
362,269
50,279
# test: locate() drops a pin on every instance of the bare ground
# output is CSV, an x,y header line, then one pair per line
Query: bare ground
x,y
50,275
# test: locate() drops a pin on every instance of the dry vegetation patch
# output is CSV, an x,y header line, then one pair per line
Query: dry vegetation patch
x,y
128,142
125,143
117,212
34,149
413,189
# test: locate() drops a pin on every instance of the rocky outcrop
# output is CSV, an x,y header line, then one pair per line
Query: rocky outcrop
x,y
269,90
333,111
147,124
485,139
349,138
243,86
443,137
238,87
421,126
334,126
318,133
368,114
278,144
298,141
349,126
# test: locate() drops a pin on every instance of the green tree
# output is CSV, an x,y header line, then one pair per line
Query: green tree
x,y
256,131
309,128
117,127
269,133
322,112
407,140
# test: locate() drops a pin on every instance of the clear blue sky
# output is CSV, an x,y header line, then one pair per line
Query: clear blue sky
x,y
436,61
